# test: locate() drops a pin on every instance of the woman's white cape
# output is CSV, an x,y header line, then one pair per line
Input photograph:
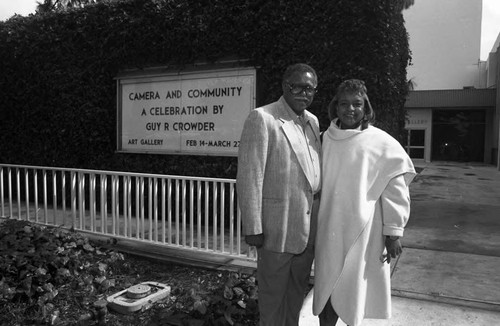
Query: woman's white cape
x,y
357,166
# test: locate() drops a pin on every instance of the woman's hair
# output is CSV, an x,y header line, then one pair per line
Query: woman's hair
x,y
353,86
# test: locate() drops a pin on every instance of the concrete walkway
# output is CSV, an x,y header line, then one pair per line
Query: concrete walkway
x,y
413,312
448,273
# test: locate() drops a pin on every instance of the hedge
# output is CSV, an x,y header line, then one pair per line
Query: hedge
x,y
57,87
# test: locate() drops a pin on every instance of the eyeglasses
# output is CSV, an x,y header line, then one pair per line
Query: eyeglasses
x,y
297,89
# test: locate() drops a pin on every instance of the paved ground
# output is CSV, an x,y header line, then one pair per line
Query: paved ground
x,y
448,273
411,312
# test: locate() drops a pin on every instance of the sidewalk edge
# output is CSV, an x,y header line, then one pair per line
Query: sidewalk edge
x,y
457,301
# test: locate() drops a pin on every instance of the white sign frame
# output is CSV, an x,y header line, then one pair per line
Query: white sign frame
x,y
186,113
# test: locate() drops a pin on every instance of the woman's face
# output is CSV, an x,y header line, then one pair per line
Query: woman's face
x,y
350,110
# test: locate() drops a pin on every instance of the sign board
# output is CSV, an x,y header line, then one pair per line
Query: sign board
x,y
418,118
194,113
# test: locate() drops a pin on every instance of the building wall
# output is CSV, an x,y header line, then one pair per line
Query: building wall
x,y
455,122
445,39
491,70
496,121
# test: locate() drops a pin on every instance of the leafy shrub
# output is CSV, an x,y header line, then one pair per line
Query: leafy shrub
x,y
51,276
36,264
58,99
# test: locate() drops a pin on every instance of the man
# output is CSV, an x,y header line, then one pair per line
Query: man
x,y
278,185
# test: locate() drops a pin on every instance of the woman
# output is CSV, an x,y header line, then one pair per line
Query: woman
x,y
364,207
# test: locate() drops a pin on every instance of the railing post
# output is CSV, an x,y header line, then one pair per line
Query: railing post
x,y
9,177
45,204
191,212
125,205
238,230
113,205
231,219
63,192
141,196
116,218
150,208
73,198
129,204
155,205
163,210
184,213
92,202
81,198
198,224
222,216
215,215
18,185
2,192
177,213
137,207
104,213
169,212
27,193
54,195
35,177
207,221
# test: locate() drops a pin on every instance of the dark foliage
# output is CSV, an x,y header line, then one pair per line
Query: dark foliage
x,y
58,93
50,276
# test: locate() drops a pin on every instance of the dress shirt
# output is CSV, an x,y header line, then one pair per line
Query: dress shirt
x,y
312,145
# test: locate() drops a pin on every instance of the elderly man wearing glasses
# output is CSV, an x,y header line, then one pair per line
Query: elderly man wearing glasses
x,y
278,186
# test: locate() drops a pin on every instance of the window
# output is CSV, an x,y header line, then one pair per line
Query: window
x,y
416,143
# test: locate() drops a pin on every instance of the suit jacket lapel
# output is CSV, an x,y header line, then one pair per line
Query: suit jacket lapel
x,y
296,144
315,130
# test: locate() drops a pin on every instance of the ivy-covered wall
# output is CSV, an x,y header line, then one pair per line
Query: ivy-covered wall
x,y
57,87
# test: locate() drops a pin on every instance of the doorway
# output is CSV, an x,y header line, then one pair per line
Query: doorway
x,y
458,135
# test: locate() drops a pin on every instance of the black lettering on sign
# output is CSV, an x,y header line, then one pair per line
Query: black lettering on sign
x,y
174,94
215,92
152,142
219,143
144,96
153,126
176,110
193,126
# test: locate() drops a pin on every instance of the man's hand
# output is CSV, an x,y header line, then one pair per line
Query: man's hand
x,y
256,240
394,249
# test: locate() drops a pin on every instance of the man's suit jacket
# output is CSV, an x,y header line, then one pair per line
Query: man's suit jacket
x,y
274,194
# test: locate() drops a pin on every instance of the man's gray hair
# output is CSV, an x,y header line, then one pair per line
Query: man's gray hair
x,y
300,68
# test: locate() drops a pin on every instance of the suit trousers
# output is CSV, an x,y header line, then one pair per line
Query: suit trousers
x,y
283,279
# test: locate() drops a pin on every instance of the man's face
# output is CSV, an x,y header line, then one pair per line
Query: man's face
x,y
298,91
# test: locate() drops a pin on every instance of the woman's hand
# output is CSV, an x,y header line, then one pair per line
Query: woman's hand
x,y
393,247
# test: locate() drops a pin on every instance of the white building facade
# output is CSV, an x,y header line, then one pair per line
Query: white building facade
x,y
453,108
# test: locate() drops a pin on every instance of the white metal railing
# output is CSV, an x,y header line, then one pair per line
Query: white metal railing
x,y
192,213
